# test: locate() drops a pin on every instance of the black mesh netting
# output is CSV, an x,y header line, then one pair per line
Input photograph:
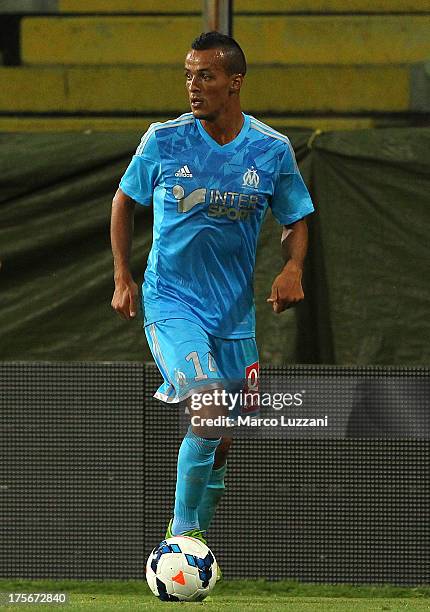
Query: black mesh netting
x,y
87,473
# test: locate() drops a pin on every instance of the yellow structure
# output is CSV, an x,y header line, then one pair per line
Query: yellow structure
x,y
268,89
246,6
310,63
282,39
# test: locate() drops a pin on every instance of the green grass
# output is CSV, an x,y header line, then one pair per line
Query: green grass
x,y
237,595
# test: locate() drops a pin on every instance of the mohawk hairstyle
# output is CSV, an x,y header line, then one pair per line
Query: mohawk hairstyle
x,y
235,61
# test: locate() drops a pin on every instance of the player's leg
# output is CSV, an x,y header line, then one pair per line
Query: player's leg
x,y
182,353
237,362
216,485
195,461
222,452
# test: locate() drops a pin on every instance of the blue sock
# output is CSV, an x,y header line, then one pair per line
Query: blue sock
x,y
195,461
211,497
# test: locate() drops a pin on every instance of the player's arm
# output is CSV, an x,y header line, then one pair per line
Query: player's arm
x,y
124,299
287,287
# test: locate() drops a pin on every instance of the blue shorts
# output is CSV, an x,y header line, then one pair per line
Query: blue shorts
x,y
192,361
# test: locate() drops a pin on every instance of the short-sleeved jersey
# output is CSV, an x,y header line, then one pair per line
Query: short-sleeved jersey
x,y
209,203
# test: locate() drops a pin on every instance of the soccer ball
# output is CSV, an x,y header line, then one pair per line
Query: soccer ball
x,y
181,569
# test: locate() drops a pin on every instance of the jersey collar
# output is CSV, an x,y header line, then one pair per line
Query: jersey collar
x,y
230,145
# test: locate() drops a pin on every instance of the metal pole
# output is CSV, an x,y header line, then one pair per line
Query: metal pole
x,y
218,16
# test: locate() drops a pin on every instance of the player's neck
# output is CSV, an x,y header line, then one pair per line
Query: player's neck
x,y
225,128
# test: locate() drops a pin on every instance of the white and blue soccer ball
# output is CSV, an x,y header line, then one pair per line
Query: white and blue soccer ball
x,y
181,569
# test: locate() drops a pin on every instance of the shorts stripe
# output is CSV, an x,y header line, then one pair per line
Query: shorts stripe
x,y
159,354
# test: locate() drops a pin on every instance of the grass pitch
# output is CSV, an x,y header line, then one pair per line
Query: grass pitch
x,y
237,595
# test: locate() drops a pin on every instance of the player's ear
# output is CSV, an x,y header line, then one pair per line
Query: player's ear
x,y
236,83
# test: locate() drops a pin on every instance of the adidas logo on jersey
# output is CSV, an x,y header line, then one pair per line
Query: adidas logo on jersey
x,y
184,172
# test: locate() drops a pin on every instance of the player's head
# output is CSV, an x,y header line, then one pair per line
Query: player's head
x,y
214,70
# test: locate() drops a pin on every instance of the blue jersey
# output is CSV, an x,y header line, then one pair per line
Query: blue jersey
x,y
209,204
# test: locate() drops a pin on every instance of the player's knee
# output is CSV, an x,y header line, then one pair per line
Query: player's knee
x,y
223,448
225,443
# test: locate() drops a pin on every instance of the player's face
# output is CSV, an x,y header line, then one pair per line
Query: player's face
x,y
208,85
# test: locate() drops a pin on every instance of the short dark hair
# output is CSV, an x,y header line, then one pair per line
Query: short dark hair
x,y
235,58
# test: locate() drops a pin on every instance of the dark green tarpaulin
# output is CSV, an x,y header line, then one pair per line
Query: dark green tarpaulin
x,y
367,281
369,263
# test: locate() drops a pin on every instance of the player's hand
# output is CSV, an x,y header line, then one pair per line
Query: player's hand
x,y
287,288
124,300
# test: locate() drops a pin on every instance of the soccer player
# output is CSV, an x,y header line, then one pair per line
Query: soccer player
x,y
210,175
